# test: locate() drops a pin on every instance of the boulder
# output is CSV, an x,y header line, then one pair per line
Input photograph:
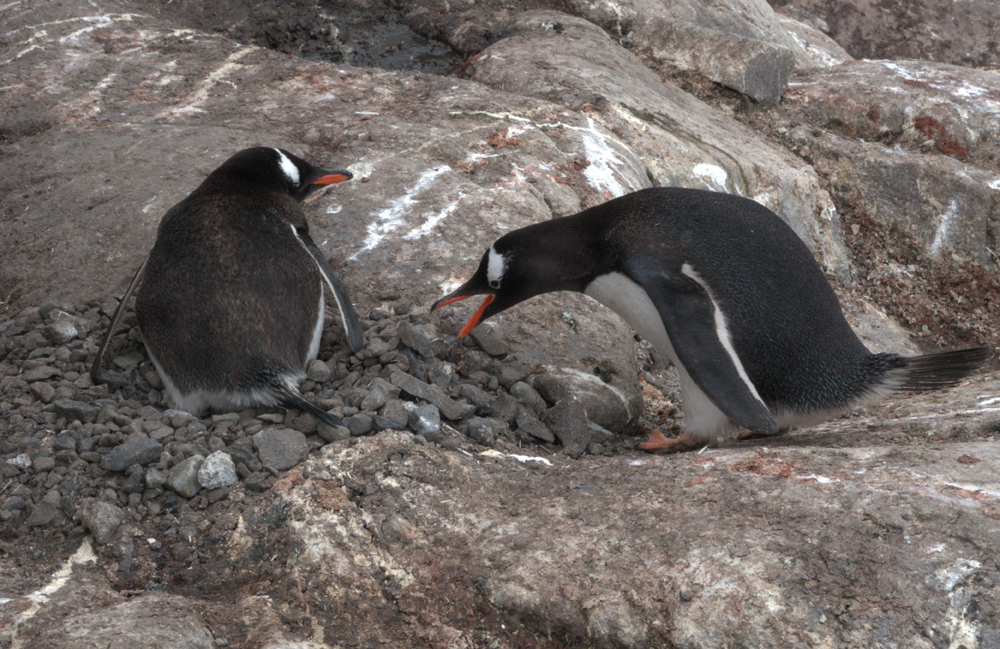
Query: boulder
x,y
962,33
658,133
912,144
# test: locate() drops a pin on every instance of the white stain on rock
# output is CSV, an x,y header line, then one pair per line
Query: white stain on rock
x,y
712,175
941,235
200,95
606,164
433,220
83,554
393,217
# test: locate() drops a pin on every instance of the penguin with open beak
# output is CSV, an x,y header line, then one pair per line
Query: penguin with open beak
x,y
724,288
231,302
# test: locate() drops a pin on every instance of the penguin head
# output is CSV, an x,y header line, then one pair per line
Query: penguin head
x,y
520,265
280,171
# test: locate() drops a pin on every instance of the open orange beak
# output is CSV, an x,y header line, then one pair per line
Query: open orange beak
x,y
333,177
476,317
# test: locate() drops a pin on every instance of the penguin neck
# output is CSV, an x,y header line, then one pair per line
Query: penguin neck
x,y
564,254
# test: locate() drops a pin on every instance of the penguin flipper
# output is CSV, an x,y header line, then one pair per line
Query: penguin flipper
x,y
700,338
352,325
292,399
95,369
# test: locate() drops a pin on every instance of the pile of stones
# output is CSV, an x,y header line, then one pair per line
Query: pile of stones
x,y
74,455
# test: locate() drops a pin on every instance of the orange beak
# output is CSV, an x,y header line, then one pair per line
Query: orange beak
x,y
476,317
333,177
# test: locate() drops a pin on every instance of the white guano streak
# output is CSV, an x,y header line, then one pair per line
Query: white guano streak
x,y
604,161
433,220
712,175
392,218
942,230
83,554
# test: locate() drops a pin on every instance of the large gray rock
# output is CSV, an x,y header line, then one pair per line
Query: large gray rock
x,y
962,33
150,621
823,49
658,132
740,44
913,145
791,527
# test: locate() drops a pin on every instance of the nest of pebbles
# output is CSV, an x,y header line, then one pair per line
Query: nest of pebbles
x,y
79,457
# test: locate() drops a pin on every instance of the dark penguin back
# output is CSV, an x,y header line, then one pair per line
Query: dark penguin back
x,y
227,272
784,319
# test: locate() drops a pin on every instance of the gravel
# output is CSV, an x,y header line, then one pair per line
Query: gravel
x,y
450,408
74,453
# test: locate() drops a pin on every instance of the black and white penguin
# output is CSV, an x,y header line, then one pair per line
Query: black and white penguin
x,y
231,305
728,292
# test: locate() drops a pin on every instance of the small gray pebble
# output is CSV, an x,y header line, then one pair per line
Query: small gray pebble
x,y
43,391
218,470
281,448
527,395
333,434
22,461
318,371
374,401
359,424
139,451
393,416
183,477
102,519
485,430
426,422
155,478
40,464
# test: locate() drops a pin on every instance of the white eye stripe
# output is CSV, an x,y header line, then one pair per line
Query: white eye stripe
x,y
288,168
495,268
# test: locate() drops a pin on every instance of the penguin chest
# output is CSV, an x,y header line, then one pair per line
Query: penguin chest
x,y
630,301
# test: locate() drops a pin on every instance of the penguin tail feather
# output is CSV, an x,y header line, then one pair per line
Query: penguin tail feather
x,y
292,399
933,371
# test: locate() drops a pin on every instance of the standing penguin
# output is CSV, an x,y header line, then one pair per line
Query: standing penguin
x,y
728,292
231,306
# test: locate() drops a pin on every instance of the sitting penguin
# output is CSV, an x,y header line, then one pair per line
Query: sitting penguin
x,y
231,305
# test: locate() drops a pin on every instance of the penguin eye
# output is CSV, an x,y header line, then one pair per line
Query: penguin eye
x,y
495,283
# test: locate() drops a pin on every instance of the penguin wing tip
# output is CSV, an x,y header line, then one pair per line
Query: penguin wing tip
x,y
355,340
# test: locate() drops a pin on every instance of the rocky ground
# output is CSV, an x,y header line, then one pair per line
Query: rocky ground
x,y
486,492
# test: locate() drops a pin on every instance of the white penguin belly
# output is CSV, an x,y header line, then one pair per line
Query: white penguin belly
x,y
629,300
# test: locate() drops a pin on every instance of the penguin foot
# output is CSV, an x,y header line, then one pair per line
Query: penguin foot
x,y
658,442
